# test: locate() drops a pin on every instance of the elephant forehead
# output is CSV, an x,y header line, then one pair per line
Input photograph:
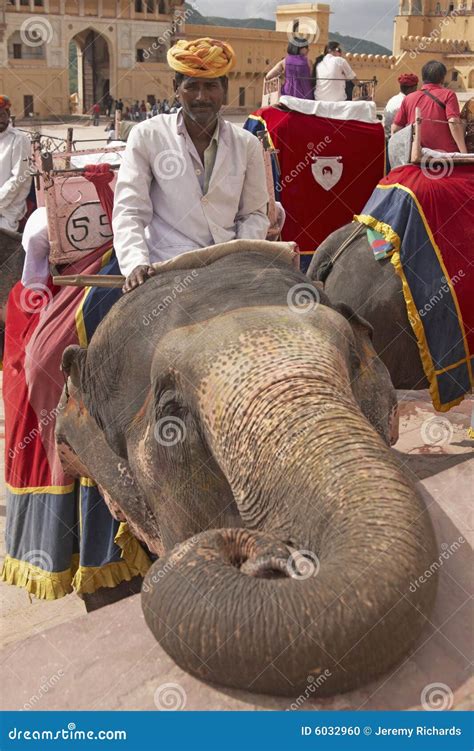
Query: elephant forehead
x,y
267,361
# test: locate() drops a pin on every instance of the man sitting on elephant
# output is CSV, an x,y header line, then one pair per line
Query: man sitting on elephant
x,y
191,179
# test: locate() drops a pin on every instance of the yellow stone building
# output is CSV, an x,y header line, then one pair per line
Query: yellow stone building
x,y
119,47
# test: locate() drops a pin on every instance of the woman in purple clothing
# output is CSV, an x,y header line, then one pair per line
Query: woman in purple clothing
x,y
295,69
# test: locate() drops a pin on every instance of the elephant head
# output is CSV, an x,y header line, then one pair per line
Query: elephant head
x,y
290,535
12,257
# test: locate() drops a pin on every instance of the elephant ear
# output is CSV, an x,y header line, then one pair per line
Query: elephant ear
x,y
72,363
360,325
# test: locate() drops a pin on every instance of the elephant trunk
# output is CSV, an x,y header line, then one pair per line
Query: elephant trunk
x,y
318,586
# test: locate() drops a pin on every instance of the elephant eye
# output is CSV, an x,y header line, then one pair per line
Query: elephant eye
x,y
168,403
354,359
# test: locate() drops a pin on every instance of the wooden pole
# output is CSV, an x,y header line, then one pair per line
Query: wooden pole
x,y
90,280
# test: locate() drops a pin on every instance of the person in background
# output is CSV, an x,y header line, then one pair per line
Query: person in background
x,y
108,102
166,107
331,73
408,84
155,110
442,128
15,174
350,86
175,106
119,105
95,113
148,109
295,70
110,130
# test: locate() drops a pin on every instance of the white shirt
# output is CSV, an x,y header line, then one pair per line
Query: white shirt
x,y
15,176
331,76
160,209
35,241
391,109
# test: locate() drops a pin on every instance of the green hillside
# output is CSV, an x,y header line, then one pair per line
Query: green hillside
x,y
349,44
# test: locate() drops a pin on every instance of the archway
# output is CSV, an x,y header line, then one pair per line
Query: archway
x,y
89,67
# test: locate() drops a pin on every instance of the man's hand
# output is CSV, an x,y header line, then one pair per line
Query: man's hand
x,y
138,276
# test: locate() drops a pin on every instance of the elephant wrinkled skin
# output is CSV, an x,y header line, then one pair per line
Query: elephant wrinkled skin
x,y
374,291
253,435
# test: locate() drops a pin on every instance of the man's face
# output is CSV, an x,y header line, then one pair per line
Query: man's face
x,y
201,98
4,120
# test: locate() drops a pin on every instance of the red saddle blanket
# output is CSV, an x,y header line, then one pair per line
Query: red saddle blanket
x,y
426,213
327,170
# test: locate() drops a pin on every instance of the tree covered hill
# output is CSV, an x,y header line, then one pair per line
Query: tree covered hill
x,y
349,44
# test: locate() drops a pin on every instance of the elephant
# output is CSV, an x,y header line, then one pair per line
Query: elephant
x,y
241,424
12,257
372,289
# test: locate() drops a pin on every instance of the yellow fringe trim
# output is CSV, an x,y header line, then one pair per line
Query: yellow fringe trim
x,y
132,551
135,562
385,229
45,585
439,256
45,489
470,433
79,317
412,311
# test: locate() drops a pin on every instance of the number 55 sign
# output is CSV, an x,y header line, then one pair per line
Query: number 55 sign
x,y
87,227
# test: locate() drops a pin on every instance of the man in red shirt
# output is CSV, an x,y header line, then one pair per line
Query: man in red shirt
x,y
441,129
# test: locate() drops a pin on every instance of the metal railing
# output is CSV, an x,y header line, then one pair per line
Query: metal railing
x,y
364,90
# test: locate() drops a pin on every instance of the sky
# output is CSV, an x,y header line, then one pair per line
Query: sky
x,y
366,19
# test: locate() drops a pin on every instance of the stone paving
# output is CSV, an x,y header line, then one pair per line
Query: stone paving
x,y
58,658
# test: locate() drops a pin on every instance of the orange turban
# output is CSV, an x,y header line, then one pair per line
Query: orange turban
x,y
5,103
201,58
